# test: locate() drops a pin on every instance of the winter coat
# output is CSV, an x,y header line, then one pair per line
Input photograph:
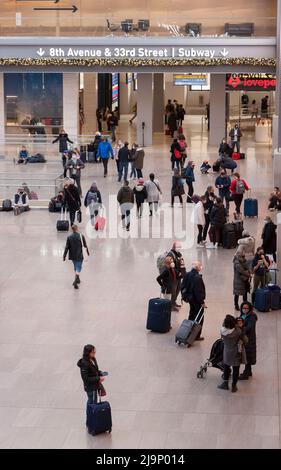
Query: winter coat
x,y
124,155
241,276
250,330
140,193
227,163
63,139
125,195
175,146
239,134
194,284
138,159
178,260
198,214
189,174
75,166
218,215
246,246
90,374
224,181
74,247
172,122
269,238
231,338
225,149
168,280
234,184
105,150
177,186
153,193
72,198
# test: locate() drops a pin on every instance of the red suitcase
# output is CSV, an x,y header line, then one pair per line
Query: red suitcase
x,y
100,223
235,156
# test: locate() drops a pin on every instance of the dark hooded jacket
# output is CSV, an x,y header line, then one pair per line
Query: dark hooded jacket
x,y
90,374
250,330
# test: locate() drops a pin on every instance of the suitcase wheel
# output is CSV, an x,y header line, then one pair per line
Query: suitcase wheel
x,y
109,431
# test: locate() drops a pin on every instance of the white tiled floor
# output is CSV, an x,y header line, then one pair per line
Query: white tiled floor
x,y
157,401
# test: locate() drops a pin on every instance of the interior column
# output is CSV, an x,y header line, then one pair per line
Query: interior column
x,y
217,109
158,102
71,104
90,101
144,108
2,107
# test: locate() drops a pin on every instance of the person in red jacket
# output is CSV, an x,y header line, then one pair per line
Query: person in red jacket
x,y
238,187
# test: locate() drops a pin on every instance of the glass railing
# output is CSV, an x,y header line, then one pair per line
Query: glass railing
x,y
40,24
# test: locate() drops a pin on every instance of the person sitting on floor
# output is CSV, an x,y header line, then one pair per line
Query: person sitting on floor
x,y
20,202
23,156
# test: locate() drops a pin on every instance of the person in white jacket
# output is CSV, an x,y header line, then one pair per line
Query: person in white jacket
x,y
199,220
246,246
153,193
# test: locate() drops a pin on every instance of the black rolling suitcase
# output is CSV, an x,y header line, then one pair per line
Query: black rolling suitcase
x,y
189,330
229,236
63,224
99,418
159,315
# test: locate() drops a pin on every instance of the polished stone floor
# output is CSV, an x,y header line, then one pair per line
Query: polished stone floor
x,y
157,400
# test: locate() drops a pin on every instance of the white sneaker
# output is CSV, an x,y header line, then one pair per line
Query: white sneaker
x,y
216,245
210,247
200,245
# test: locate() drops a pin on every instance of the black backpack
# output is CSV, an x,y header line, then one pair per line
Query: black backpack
x,y
187,288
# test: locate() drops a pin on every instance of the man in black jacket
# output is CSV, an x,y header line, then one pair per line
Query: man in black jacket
x,y
193,292
124,156
208,205
74,246
63,139
71,199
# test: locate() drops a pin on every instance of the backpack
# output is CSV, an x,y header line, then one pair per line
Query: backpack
x,y
240,188
186,288
92,197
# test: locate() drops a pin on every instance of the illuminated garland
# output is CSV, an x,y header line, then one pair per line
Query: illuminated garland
x,y
134,62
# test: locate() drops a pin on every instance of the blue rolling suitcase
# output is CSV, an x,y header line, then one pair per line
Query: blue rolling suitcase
x,y
274,296
159,315
99,418
263,299
251,207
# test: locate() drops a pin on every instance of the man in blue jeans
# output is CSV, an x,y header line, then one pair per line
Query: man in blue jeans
x,y
124,157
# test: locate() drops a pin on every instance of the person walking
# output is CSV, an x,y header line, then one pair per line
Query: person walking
x,y
137,159
63,139
234,340
140,193
177,189
208,205
199,220
153,193
126,198
260,267
172,123
124,156
96,143
93,200
238,187
99,119
250,320
217,219
71,199
269,238
168,280
112,122
194,292
91,376
176,155
75,165
180,115
188,174
183,145
104,152
74,248
235,134
223,183
241,280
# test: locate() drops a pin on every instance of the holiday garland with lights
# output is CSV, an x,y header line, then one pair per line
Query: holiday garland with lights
x,y
134,62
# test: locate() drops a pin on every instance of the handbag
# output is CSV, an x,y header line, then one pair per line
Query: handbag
x,y
102,391
84,250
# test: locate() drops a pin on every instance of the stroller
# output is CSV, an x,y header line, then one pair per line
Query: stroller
x,y
215,359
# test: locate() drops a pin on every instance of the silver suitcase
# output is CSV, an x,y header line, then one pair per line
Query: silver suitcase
x,y
189,330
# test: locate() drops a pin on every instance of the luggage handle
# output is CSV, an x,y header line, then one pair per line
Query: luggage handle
x,y
197,316
63,213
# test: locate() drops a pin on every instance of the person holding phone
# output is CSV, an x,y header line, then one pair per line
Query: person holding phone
x,y
260,267
91,376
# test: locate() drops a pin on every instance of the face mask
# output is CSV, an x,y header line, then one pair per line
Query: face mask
x,y
244,311
265,221
172,265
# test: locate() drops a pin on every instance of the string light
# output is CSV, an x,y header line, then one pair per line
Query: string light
x,y
135,62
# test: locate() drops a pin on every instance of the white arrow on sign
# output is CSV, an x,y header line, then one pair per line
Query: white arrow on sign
x,y
224,52
40,52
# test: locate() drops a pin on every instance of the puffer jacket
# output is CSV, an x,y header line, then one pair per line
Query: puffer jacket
x,y
90,374
218,215
231,338
241,275
140,193
125,195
